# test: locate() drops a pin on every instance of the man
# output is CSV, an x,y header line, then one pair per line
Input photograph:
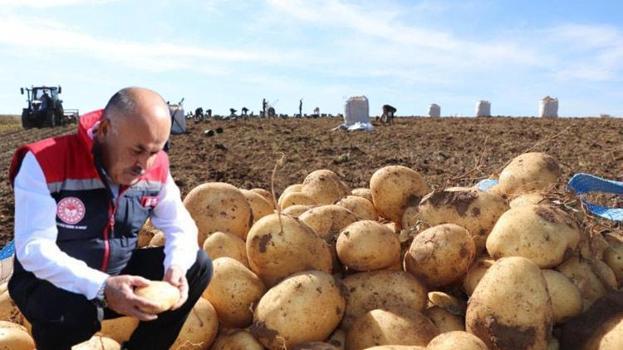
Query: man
x,y
45,100
80,201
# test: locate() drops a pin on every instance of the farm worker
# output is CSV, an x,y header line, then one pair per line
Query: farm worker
x,y
45,100
80,201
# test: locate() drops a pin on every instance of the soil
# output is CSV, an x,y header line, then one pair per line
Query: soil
x,y
447,151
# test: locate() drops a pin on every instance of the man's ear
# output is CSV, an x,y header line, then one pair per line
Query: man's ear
x,y
102,129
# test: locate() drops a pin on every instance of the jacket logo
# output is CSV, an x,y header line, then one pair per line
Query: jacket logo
x,y
70,210
149,201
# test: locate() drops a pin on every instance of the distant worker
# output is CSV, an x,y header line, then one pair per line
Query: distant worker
x,y
301,108
388,114
45,100
264,104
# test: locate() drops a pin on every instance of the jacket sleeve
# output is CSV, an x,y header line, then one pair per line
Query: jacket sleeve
x,y
36,233
180,231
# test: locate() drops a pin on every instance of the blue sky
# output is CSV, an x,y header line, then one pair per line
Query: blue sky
x,y
226,53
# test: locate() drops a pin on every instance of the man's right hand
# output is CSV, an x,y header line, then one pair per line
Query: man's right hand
x,y
120,297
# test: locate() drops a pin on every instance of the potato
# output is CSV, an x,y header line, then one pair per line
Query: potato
x,y
163,294
456,340
292,188
381,290
475,273
217,206
15,337
98,343
510,307
324,187
390,327
440,255
361,207
147,232
529,172
394,188
221,244
260,207
444,320
296,210
304,307
279,246
233,291
368,245
119,329
565,296
476,211
328,220
362,192
541,233
157,240
582,274
447,302
10,312
530,198
295,198
266,195
236,340
200,328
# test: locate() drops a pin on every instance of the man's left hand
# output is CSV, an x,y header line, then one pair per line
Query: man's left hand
x,y
177,278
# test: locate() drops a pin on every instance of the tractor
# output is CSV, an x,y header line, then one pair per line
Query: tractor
x,y
45,108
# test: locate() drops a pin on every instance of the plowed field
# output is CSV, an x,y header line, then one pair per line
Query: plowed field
x,y
447,151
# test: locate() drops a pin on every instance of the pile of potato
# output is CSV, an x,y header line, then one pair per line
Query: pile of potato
x,y
397,265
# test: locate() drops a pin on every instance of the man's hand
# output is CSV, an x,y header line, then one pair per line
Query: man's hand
x,y
177,278
120,297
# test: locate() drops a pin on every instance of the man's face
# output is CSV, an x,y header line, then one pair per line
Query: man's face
x,y
129,146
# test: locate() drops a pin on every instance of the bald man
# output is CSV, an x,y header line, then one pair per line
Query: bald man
x,y
80,201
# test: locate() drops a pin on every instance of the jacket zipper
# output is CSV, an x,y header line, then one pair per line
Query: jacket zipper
x,y
112,211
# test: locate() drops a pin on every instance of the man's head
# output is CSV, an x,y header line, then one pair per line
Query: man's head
x,y
134,129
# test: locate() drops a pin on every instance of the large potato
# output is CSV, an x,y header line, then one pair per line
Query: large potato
x,y
15,337
475,210
394,188
381,290
529,172
217,206
266,195
475,273
236,340
456,340
440,255
161,293
222,244
97,343
119,329
328,220
565,296
541,233
361,207
260,207
233,291
583,274
444,320
200,328
368,245
324,187
304,307
390,327
511,307
278,246
362,192
295,198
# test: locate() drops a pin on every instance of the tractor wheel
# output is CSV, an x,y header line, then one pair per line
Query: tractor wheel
x,y
50,118
26,123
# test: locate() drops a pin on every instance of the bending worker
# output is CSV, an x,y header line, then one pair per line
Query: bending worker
x,y
80,201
